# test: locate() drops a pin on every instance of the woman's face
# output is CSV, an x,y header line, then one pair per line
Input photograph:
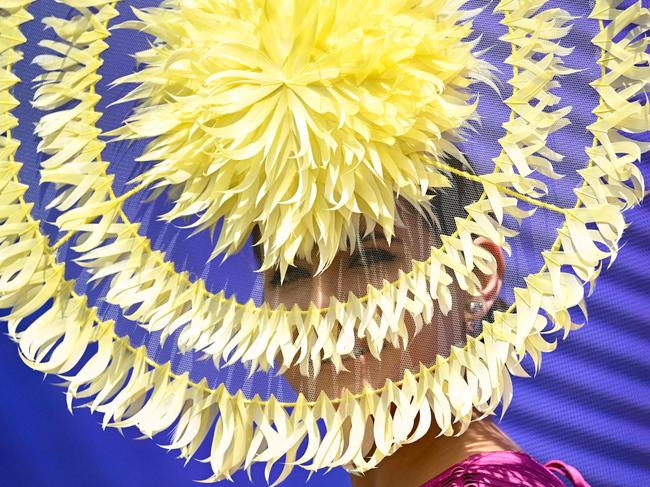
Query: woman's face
x,y
372,261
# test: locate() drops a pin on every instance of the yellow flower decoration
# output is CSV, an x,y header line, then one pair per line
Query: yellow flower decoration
x,y
299,116
104,371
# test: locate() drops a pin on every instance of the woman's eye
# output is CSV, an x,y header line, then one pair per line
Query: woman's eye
x,y
371,256
292,274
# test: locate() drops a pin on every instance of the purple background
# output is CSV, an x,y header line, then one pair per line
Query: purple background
x,y
588,406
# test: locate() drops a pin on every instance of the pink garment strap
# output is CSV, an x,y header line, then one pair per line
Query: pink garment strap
x,y
571,473
506,469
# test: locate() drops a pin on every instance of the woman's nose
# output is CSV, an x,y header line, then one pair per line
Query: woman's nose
x,y
323,286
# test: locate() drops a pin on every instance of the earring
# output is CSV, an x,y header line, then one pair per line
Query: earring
x,y
475,306
472,326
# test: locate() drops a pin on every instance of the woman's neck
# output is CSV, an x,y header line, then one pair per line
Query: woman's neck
x,y
415,463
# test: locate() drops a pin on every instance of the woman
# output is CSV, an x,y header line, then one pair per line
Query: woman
x,y
484,453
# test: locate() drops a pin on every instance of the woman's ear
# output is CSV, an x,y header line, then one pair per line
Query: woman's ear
x,y
490,283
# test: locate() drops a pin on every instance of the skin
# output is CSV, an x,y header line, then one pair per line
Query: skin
x,y
415,463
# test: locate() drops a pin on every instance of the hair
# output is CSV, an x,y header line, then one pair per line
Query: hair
x,y
463,192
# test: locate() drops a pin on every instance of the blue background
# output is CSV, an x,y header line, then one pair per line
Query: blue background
x,y
589,406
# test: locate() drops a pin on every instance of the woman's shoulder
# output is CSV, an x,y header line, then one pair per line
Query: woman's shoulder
x,y
506,468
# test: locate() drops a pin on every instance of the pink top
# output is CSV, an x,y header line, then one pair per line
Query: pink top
x,y
504,469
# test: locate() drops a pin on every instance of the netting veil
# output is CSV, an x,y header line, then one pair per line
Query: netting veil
x,y
308,232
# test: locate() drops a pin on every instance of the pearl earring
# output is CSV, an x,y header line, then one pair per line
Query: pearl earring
x,y
474,326
475,307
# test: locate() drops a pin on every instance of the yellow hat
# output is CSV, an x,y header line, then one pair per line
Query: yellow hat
x,y
297,132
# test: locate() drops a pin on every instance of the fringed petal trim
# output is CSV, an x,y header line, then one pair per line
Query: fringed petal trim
x,y
129,389
13,14
162,299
